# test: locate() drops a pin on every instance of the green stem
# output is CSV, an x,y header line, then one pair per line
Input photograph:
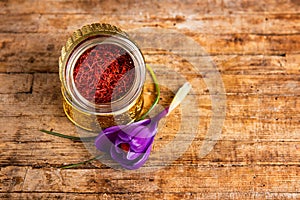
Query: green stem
x,y
80,163
73,138
157,89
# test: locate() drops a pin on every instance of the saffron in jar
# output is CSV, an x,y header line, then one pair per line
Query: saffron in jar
x,y
104,73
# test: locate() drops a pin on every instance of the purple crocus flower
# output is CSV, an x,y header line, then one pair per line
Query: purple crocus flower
x,y
130,145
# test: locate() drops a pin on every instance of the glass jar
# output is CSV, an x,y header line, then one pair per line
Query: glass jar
x,y
102,73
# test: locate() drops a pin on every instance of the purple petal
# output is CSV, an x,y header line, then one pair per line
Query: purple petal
x,y
161,115
125,132
149,131
130,132
139,162
133,155
140,145
124,136
106,138
111,129
103,143
142,122
131,164
136,127
134,131
117,156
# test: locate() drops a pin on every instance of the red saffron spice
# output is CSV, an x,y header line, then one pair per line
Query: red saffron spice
x,y
104,73
124,146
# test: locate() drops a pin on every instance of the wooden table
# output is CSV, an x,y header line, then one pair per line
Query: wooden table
x,y
256,48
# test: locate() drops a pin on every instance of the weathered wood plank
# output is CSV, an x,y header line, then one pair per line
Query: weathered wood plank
x,y
201,24
275,107
235,128
18,54
53,152
260,84
16,83
238,125
179,179
279,84
258,65
155,8
156,195
223,44
287,64
227,64
260,97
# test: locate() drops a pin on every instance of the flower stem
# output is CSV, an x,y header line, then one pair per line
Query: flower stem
x,y
73,138
157,89
80,163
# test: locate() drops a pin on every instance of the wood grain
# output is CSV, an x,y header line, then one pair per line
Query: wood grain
x,y
255,47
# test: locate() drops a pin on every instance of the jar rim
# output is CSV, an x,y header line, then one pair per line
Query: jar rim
x,y
123,103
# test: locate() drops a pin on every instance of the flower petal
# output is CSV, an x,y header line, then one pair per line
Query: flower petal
x,y
106,138
124,136
136,127
140,145
132,155
139,162
180,95
160,115
116,155
103,143
111,129
130,161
